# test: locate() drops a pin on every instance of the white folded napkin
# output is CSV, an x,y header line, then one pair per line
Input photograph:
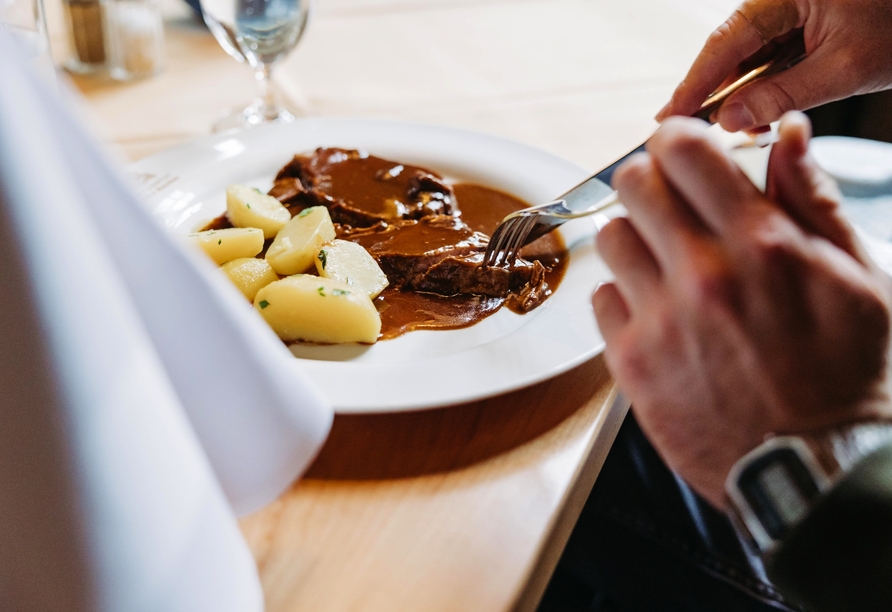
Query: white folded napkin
x,y
138,390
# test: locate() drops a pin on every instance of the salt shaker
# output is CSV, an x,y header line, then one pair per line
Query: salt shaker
x,y
134,38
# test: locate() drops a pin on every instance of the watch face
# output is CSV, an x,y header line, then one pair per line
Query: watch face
x,y
779,488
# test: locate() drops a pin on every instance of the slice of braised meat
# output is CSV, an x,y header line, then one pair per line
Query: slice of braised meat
x,y
360,189
440,254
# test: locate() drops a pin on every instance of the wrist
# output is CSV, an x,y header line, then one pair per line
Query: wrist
x,y
772,488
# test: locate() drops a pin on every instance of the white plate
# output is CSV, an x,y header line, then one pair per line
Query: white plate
x,y
854,161
423,369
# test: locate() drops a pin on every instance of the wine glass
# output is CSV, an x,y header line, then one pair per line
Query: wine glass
x,y
260,32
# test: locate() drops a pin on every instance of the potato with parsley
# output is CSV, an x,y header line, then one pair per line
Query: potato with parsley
x,y
250,207
224,245
297,244
250,275
351,264
316,309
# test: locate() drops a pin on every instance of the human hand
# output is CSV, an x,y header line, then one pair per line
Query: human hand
x,y
737,314
847,42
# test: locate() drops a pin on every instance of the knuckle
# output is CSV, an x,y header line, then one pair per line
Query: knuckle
x,y
771,245
851,66
720,38
628,363
667,328
712,283
715,288
773,101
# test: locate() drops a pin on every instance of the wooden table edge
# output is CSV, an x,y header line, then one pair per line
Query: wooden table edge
x,y
558,532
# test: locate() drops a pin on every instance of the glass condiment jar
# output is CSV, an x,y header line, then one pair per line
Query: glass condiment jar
x,y
86,36
134,38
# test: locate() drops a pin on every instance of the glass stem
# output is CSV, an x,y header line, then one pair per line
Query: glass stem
x,y
266,98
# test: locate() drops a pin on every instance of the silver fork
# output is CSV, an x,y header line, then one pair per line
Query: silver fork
x,y
522,227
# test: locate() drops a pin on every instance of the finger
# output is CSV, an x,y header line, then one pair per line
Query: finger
x,y
703,175
636,270
666,225
751,27
611,311
771,18
798,88
733,42
805,191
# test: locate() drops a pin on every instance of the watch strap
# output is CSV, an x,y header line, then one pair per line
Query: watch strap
x,y
771,488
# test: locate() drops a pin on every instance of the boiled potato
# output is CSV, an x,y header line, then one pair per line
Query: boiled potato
x,y
351,264
317,309
227,244
297,244
250,207
250,275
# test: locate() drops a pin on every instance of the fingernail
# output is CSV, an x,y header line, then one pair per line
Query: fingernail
x,y
737,117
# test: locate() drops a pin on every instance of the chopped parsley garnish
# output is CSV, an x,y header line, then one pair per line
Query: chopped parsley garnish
x,y
220,241
339,292
321,291
248,205
263,304
305,211
323,257
257,190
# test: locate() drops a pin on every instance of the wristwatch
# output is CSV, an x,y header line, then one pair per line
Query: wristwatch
x,y
771,489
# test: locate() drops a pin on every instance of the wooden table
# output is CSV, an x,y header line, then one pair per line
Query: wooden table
x,y
468,507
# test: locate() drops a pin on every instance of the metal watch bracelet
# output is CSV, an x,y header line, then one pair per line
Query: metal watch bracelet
x,y
771,488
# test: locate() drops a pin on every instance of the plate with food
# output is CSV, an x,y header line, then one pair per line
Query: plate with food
x,y
360,243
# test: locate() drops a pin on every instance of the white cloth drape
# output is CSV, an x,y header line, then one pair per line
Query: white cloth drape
x,y
139,393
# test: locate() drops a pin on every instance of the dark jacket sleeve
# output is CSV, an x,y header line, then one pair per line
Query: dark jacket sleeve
x,y
839,558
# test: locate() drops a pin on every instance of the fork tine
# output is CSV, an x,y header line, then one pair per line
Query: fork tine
x,y
502,240
524,226
507,240
495,245
512,228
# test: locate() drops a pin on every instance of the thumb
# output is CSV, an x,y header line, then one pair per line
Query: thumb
x,y
821,77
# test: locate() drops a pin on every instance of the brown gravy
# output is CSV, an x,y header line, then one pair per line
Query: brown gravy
x,y
482,208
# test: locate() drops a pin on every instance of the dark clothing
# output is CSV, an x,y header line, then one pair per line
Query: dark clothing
x,y
645,542
839,558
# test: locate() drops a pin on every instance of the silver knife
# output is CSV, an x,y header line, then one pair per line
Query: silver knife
x,y
595,193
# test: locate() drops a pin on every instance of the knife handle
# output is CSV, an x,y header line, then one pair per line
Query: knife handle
x,y
788,55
